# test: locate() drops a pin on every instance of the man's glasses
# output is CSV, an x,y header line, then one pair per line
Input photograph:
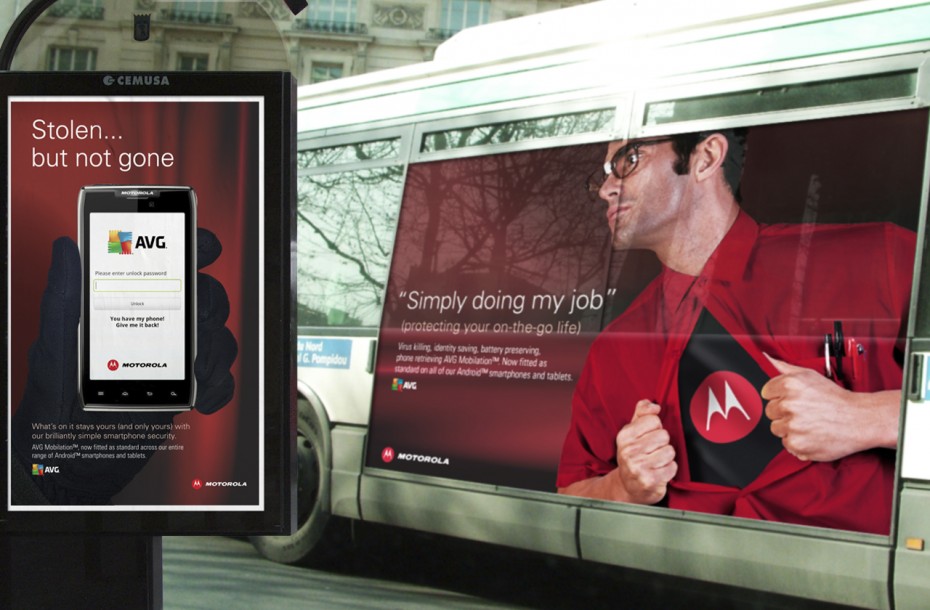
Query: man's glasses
x,y
622,164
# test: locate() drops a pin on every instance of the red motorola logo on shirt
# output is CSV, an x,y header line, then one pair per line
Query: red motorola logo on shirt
x,y
725,407
112,365
197,484
387,455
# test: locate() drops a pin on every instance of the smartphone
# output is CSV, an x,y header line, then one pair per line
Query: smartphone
x,y
138,333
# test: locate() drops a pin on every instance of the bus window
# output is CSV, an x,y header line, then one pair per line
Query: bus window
x,y
345,232
377,150
858,89
516,131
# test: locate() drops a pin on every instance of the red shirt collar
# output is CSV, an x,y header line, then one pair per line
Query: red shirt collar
x,y
728,261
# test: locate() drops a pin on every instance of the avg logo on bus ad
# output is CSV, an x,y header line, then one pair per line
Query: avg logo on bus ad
x,y
40,470
399,385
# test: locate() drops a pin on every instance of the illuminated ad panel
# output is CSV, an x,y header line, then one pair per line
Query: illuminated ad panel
x,y
135,294
696,330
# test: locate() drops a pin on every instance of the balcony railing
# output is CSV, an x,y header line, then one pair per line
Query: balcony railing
x,y
77,12
332,27
196,17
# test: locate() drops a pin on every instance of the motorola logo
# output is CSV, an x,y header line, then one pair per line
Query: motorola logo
x,y
726,407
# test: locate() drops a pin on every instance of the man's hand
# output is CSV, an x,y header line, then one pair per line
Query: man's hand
x,y
645,456
821,421
645,463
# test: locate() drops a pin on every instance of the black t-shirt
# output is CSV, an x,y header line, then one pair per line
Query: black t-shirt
x,y
728,438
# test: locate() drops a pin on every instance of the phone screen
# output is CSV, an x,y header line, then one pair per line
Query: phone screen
x,y
139,281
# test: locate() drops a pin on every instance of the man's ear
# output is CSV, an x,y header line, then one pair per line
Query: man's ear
x,y
708,156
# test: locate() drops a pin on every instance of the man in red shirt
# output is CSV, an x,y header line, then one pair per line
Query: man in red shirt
x,y
709,392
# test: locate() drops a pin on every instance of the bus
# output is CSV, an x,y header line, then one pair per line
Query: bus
x,y
458,278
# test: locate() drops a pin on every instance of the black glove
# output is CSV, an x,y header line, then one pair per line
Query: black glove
x,y
51,395
216,346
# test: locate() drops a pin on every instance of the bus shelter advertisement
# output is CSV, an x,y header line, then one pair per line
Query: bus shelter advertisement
x,y
135,264
707,322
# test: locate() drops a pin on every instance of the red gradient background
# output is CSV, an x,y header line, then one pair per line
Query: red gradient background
x,y
216,151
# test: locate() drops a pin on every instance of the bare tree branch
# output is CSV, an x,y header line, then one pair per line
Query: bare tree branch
x,y
334,247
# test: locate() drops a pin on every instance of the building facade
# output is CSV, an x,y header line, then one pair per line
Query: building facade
x,y
328,39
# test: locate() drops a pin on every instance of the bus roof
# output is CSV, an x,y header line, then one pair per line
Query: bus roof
x,y
604,47
613,21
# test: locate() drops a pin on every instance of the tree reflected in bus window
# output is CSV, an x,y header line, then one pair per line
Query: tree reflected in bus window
x,y
345,233
517,131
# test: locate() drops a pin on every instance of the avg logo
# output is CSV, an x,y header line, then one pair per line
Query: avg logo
x,y
120,242
38,470
399,385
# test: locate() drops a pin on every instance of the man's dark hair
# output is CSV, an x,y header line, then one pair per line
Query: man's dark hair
x,y
684,145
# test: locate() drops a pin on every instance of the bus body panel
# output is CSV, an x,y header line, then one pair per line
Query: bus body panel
x,y
911,559
802,564
547,526
348,451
